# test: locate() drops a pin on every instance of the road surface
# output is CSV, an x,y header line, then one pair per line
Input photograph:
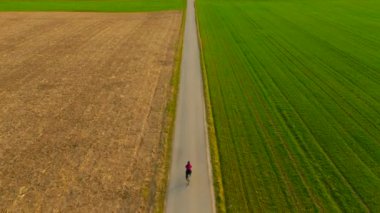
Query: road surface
x,y
190,139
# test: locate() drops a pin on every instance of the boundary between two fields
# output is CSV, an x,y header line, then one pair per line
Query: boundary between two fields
x,y
213,146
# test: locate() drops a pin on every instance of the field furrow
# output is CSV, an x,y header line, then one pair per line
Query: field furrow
x,y
294,89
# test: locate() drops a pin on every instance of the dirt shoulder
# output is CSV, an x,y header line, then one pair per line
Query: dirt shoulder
x,y
83,97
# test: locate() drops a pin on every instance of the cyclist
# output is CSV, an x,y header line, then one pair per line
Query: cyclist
x,y
188,170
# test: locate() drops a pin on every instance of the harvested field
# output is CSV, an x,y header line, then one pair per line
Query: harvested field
x,y
82,108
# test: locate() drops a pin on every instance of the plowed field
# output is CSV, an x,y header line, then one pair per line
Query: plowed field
x,y
82,107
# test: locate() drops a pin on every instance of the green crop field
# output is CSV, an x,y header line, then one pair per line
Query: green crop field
x,y
91,6
295,95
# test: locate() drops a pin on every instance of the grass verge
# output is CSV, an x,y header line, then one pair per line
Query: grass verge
x,y
214,152
169,124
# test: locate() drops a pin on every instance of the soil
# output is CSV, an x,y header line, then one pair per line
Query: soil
x,y
82,109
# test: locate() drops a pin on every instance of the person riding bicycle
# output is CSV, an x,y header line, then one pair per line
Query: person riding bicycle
x,y
188,170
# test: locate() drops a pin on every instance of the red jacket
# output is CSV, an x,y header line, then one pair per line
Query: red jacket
x,y
188,166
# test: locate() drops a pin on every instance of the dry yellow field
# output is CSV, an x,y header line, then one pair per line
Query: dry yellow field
x,y
82,109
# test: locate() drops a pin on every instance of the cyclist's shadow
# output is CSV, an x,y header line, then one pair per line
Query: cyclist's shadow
x,y
180,185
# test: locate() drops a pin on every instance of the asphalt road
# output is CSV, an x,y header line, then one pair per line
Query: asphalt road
x,y
190,139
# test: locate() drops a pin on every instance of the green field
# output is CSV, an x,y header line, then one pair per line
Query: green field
x,y
91,6
295,95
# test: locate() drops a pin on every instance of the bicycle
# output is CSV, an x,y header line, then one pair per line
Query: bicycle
x,y
188,175
188,172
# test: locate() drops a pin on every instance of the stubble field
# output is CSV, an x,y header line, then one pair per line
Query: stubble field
x,y
83,99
